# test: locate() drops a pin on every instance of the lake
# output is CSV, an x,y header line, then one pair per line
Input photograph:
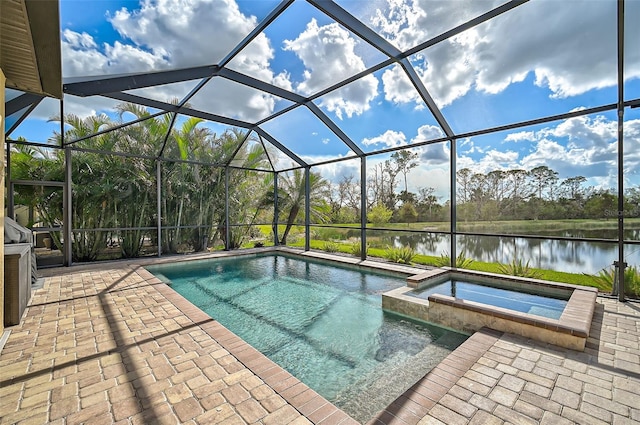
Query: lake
x,y
560,255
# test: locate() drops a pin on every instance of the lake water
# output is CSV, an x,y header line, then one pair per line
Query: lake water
x,y
561,255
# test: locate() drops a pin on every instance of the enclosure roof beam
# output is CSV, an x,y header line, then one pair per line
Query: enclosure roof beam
x,y
280,146
334,128
140,100
116,127
174,116
215,118
126,97
426,97
361,30
21,102
91,86
266,152
256,31
237,149
438,39
356,26
278,113
23,116
465,26
260,85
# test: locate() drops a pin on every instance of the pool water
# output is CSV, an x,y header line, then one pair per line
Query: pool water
x,y
524,302
322,323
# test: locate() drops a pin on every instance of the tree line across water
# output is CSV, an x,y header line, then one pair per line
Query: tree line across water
x,y
536,194
120,190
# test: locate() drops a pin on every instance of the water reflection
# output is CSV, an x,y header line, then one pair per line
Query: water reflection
x,y
560,255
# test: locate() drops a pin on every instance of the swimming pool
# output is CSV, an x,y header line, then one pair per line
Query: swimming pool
x,y
322,323
466,300
525,302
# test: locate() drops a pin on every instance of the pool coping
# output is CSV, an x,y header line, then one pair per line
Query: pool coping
x,y
409,408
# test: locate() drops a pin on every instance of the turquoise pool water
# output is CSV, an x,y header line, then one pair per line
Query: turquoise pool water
x,y
524,302
322,323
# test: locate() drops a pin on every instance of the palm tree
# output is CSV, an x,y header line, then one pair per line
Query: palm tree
x,y
117,191
247,189
291,198
91,188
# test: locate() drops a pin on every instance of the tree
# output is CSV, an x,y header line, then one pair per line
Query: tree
x,y
383,178
352,195
405,160
344,199
408,197
632,204
408,213
427,204
91,186
116,191
601,204
543,178
291,197
573,187
247,194
379,214
495,185
517,192
381,186
463,185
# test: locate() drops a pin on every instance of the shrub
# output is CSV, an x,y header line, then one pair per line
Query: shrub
x,y
605,280
402,255
330,247
356,249
520,269
632,281
462,262
258,244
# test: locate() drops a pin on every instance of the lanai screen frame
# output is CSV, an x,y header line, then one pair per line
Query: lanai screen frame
x,y
115,87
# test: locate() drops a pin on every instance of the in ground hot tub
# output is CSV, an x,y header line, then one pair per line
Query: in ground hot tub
x,y
464,300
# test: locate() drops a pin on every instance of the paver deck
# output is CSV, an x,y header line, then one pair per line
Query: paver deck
x,y
109,343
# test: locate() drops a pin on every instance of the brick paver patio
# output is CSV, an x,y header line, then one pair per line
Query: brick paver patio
x,y
111,344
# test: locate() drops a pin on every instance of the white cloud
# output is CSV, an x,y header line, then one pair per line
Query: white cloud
x,y
569,47
328,54
434,154
335,171
389,139
428,132
520,136
78,41
581,146
586,131
190,32
406,23
167,34
398,88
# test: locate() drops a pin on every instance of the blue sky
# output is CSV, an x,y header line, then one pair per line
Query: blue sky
x,y
542,58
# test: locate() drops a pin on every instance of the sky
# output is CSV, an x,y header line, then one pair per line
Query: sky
x,y
542,58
